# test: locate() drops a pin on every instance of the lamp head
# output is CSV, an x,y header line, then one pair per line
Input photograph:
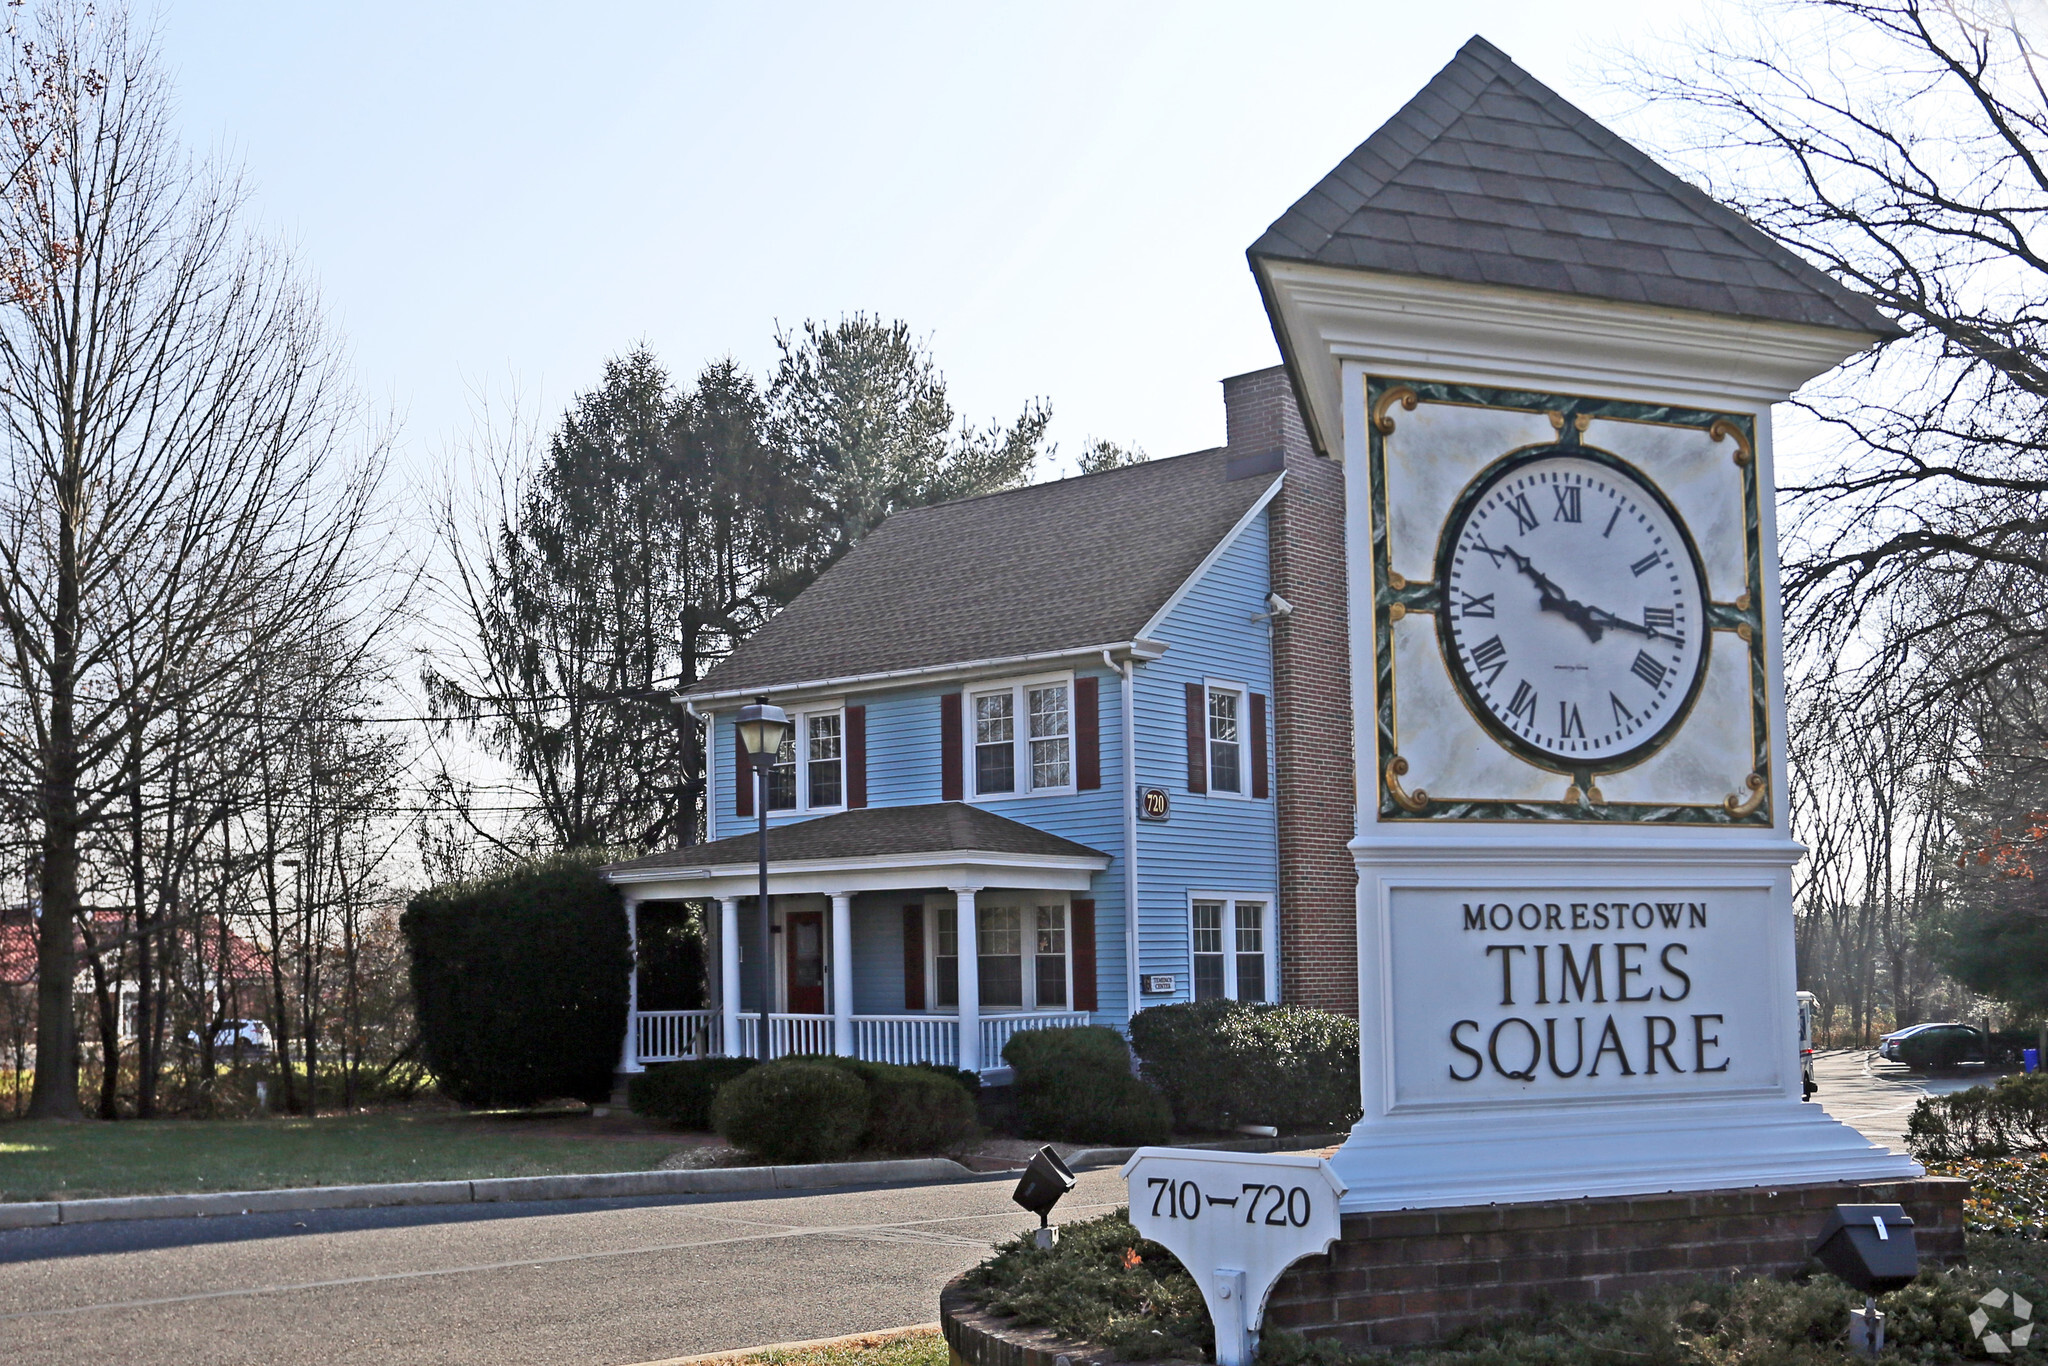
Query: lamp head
x,y
1869,1246
1045,1180
764,729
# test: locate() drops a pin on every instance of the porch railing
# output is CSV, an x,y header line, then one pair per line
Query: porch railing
x,y
997,1030
675,1035
907,1038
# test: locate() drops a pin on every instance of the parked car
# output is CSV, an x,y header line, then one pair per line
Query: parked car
x,y
1808,1004
250,1037
1926,1047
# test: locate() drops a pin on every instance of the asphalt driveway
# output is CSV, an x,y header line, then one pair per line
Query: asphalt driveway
x,y
1862,1090
597,1282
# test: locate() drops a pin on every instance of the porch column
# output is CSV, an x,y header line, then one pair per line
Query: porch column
x,y
965,932
842,974
629,1051
729,974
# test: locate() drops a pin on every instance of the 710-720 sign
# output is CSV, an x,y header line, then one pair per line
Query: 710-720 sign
x,y
1235,1221
1281,1205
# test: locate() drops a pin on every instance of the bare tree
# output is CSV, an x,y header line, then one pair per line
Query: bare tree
x,y
1902,146
173,486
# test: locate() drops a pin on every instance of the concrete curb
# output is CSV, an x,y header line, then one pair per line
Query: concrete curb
x,y
1113,1157
593,1186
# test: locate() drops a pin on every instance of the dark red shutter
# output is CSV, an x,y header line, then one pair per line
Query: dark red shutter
x,y
913,958
857,756
951,786
742,776
1198,738
1087,734
1083,930
1258,725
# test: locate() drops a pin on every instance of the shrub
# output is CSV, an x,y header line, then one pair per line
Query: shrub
x,y
1103,1283
1076,1086
794,1110
1982,1122
912,1110
681,1092
1224,1063
519,981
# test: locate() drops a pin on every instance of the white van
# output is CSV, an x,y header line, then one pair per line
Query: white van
x,y
1808,1004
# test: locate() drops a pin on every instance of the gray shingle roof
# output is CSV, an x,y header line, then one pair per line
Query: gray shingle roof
x,y
1065,565
936,828
1490,177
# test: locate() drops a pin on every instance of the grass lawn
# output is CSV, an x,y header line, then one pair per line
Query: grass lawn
x,y
45,1161
921,1348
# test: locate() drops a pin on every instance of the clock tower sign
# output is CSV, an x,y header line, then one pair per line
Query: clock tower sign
x,y
1548,365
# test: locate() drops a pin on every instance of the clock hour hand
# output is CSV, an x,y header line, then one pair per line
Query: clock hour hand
x,y
1553,598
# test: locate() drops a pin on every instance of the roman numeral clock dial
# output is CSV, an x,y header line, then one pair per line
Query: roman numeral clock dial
x,y
1574,616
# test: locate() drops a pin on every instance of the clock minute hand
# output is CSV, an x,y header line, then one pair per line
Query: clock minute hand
x,y
1615,623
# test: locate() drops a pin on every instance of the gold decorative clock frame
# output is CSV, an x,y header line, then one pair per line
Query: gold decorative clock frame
x,y
1741,767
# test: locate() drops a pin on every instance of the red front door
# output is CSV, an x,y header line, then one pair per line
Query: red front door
x,y
804,933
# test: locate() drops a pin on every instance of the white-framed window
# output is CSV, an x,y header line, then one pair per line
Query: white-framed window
x,y
1021,943
810,770
1020,737
1226,716
1231,942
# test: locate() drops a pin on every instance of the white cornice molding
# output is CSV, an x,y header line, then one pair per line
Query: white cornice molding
x,y
884,872
1442,330
1187,585
804,691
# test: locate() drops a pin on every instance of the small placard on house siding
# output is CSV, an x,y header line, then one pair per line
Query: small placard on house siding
x,y
1154,804
1159,984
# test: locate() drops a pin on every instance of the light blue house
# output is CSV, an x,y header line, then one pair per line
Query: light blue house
x,y
1030,782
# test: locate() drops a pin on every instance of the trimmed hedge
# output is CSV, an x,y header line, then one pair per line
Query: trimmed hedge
x,y
1225,1063
1984,1121
794,1110
913,1111
681,1092
519,980
910,1111
1076,1086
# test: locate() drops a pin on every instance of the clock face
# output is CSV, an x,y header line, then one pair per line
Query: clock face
x,y
1573,611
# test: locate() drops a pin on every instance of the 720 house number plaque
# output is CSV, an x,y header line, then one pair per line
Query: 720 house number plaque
x,y
1235,1221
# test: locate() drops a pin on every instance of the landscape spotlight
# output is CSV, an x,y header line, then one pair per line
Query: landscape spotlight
x,y
1872,1248
1045,1180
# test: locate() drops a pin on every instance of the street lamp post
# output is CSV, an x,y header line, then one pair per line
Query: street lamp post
x,y
763,729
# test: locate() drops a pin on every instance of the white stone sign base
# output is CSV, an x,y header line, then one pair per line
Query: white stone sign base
x,y
1235,1221
1579,1019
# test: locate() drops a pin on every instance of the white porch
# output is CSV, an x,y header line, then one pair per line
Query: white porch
x,y
680,1035
929,922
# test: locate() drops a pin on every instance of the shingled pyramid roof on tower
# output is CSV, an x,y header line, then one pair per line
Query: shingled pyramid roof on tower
x,y
1489,177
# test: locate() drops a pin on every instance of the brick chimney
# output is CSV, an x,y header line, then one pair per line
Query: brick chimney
x,y
1315,786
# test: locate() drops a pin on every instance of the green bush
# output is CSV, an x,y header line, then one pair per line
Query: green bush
x,y
1076,1086
681,1092
794,1110
1100,1283
912,1111
519,981
1225,1063
967,1080
1982,1122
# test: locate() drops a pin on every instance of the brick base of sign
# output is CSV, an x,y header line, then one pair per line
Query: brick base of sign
x,y
975,1338
1410,1277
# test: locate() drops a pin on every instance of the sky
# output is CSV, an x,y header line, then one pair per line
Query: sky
x,y
493,198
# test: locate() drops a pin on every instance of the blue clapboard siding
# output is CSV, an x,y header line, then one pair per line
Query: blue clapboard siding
x,y
1211,843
